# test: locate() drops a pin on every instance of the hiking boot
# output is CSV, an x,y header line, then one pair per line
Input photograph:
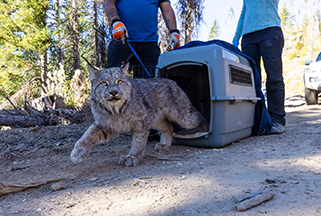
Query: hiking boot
x,y
277,128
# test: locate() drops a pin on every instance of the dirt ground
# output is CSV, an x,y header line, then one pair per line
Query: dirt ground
x,y
185,181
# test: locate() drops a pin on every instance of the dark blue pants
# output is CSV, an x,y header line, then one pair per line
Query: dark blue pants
x,y
118,52
268,44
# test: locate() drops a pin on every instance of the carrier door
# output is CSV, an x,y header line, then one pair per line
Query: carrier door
x,y
193,78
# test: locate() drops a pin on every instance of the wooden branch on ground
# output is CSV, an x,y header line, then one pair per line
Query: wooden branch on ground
x,y
6,97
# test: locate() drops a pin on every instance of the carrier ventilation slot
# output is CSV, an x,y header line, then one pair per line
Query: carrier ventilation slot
x,y
240,76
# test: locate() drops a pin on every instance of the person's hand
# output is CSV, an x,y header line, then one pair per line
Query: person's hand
x,y
235,42
174,39
119,30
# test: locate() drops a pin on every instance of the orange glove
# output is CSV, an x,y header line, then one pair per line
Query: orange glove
x,y
119,30
174,39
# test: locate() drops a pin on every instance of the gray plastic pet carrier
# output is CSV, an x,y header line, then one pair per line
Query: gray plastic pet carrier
x,y
220,84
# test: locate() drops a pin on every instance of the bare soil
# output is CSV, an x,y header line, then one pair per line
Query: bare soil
x,y
184,181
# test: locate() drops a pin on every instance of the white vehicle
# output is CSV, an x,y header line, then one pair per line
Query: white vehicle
x,y
312,80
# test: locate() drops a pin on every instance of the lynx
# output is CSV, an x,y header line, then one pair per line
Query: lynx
x,y
120,104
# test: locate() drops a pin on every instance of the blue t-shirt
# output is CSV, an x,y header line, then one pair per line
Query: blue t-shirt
x,y
140,18
257,15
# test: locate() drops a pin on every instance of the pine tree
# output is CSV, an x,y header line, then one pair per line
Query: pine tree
x,y
24,39
190,14
215,30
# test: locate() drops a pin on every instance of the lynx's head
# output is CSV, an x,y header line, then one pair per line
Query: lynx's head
x,y
110,88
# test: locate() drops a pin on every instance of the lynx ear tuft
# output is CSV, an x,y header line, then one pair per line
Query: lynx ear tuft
x,y
92,72
91,69
125,69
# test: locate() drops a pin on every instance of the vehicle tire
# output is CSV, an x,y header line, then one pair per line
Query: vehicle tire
x,y
311,96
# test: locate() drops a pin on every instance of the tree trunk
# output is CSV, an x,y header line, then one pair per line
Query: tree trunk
x,y
59,49
43,62
103,35
75,35
95,52
190,16
43,66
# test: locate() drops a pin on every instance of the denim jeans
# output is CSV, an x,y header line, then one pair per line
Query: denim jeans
x,y
268,45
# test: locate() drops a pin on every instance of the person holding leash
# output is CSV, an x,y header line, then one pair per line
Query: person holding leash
x,y
137,22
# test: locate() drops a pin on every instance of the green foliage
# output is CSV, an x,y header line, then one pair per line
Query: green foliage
x,y
22,25
291,54
9,82
23,38
286,17
30,29
66,93
231,13
215,30
299,46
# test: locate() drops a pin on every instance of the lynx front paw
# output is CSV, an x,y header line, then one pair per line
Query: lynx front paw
x,y
162,147
128,160
78,155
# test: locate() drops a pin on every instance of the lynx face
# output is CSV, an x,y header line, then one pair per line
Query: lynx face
x,y
110,88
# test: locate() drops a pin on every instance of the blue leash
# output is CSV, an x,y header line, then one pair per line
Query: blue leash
x,y
136,55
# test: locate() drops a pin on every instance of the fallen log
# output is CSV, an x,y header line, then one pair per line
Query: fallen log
x,y
32,118
44,111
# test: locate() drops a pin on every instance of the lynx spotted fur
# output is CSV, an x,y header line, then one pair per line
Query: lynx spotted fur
x,y
121,104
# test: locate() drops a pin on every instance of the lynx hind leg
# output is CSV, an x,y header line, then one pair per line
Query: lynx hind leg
x,y
203,126
166,129
82,147
136,153
178,108
184,113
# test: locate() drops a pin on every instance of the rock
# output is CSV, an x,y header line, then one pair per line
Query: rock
x,y
57,186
